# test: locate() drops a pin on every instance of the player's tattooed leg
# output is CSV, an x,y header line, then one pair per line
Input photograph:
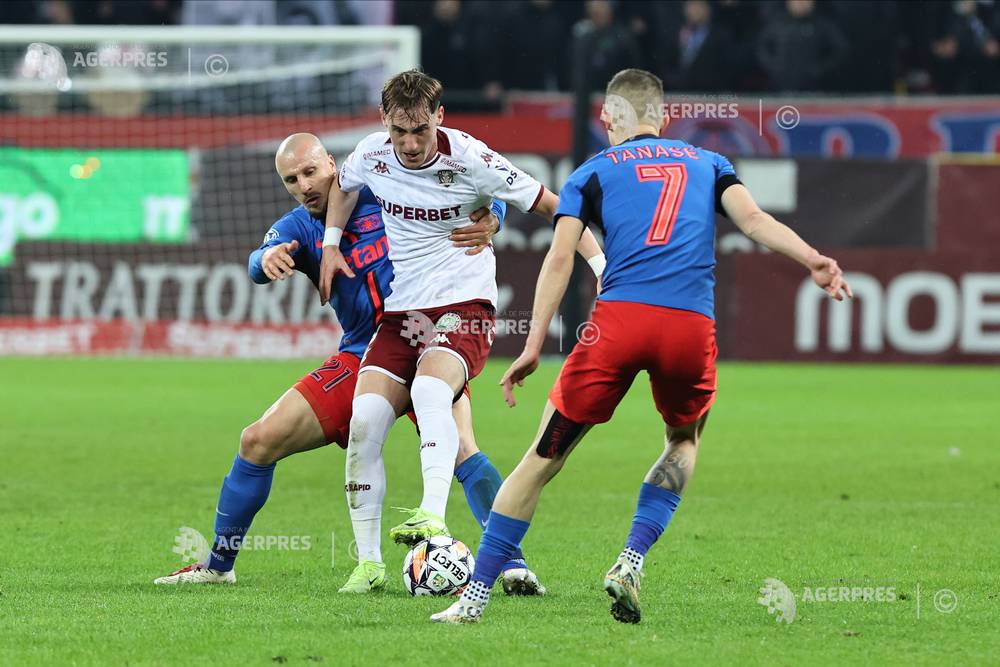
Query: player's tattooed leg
x,y
676,465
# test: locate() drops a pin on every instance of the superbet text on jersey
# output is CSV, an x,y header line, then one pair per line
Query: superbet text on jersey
x,y
422,206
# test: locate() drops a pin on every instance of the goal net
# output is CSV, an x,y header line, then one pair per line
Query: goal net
x,y
137,174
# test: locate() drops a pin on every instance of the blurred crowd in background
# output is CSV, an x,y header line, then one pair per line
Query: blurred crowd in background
x,y
489,47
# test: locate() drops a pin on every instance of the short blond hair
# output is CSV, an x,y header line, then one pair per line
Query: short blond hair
x,y
634,96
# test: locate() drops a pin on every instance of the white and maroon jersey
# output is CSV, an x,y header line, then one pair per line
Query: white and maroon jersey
x,y
422,206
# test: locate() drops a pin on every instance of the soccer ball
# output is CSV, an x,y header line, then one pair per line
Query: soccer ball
x,y
438,566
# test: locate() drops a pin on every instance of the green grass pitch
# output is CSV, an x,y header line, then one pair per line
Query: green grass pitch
x,y
820,476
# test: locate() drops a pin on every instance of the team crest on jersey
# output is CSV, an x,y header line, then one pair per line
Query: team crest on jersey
x,y
272,235
381,168
448,322
368,223
446,177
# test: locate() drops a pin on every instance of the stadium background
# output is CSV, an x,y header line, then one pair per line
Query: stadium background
x,y
133,347
130,201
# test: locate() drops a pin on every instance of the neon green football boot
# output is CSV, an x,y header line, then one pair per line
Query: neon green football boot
x,y
420,526
367,577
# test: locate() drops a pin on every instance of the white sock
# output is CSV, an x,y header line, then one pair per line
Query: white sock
x,y
633,557
364,472
476,593
432,400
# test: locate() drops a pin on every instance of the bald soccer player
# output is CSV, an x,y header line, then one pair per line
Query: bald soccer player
x,y
317,409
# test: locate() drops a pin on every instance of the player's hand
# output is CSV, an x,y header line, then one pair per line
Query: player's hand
x,y
333,262
828,275
277,261
522,367
477,236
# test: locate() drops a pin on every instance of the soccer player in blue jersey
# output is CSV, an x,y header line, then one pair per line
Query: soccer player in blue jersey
x,y
317,410
655,201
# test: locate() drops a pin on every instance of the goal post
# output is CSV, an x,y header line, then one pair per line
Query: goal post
x,y
183,62
137,174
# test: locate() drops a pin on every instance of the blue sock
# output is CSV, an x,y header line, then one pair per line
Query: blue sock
x,y
502,536
481,481
655,508
244,492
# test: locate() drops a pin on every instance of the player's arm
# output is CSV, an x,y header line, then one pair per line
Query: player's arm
x,y
339,207
549,291
502,180
588,247
764,229
275,258
486,223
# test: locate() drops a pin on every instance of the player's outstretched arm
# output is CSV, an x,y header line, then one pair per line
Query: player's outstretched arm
x,y
549,291
764,229
338,211
277,262
275,258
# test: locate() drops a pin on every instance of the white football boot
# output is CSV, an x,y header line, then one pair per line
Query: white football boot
x,y
461,612
622,584
521,581
196,573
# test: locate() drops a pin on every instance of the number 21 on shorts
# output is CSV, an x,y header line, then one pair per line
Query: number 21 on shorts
x,y
674,177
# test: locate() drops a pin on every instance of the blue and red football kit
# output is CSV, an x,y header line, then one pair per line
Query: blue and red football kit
x,y
655,202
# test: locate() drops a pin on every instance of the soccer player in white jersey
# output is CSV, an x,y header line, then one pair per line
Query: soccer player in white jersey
x,y
428,179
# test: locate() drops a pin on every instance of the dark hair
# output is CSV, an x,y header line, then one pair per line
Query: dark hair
x,y
412,91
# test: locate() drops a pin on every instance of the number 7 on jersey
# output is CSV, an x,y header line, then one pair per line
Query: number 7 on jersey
x,y
674,177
